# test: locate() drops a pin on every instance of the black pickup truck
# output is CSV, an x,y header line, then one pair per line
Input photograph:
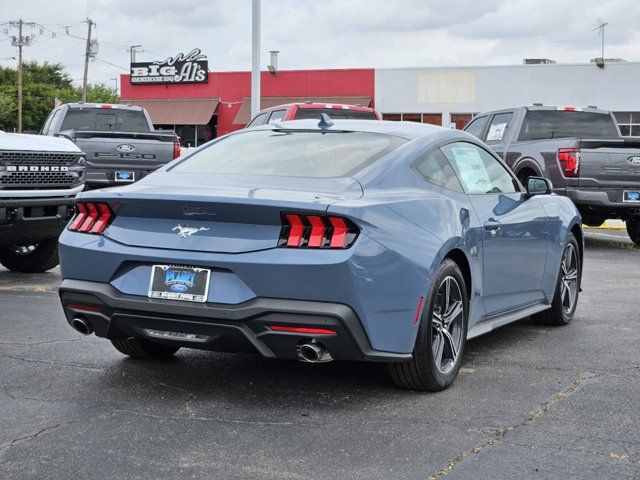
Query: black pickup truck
x,y
579,149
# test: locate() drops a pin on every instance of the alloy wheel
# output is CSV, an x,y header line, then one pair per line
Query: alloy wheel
x,y
447,325
569,279
25,249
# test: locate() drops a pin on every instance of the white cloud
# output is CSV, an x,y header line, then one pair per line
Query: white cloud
x,y
329,33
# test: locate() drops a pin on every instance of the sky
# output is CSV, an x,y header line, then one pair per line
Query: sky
x,y
323,33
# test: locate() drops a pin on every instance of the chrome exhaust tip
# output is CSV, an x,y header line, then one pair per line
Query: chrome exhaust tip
x,y
81,325
313,353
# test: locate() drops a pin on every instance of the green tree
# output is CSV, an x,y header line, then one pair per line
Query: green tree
x,y
42,84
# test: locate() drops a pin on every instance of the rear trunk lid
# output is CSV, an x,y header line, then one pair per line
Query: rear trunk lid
x,y
610,163
221,213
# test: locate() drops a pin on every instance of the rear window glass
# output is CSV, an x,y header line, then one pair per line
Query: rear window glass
x,y
291,154
305,113
548,124
105,120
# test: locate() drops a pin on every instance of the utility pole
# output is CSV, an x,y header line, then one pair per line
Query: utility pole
x,y
255,58
20,44
600,27
132,51
87,54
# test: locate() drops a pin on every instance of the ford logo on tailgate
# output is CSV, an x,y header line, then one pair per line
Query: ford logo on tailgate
x,y
125,147
635,160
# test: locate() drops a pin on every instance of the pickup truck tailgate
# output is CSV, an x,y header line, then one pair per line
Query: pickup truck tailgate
x,y
610,163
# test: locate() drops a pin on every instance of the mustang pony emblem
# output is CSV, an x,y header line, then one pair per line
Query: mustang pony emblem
x,y
186,231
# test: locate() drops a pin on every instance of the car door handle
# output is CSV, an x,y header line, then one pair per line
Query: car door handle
x,y
492,226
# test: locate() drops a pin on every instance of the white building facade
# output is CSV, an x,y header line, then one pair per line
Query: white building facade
x,y
445,95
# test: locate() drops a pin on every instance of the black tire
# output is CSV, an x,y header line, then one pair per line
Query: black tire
x,y
141,348
421,372
633,229
36,258
558,314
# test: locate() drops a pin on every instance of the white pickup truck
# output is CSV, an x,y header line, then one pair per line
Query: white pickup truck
x,y
39,178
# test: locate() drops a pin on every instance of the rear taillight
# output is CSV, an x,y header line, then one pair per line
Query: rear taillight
x,y
316,231
91,218
569,159
176,149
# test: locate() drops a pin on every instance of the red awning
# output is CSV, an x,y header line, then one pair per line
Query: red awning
x,y
244,114
177,111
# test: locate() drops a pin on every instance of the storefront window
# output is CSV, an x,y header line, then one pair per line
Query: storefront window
x,y
629,123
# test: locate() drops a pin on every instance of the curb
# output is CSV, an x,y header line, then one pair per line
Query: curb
x,y
609,225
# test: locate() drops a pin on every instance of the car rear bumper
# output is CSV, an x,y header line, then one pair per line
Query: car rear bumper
x,y
241,327
605,200
29,220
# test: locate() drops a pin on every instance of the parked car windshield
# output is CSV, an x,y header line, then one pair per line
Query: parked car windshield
x,y
291,153
105,120
548,124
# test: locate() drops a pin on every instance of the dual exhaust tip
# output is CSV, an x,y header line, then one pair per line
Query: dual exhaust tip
x,y
313,352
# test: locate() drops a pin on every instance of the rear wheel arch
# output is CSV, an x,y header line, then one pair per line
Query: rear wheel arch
x,y
462,261
577,232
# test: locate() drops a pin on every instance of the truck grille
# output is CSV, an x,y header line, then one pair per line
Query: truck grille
x,y
19,170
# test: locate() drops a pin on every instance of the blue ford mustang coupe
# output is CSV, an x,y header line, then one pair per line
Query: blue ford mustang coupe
x,y
347,240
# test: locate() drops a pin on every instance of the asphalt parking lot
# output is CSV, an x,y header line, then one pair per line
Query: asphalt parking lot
x,y
530,401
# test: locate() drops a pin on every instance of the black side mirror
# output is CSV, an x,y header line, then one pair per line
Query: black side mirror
x,y
539,186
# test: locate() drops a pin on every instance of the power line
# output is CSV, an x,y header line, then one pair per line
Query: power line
x,y
109,63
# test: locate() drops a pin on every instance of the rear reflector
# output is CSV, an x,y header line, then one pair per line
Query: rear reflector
x,y
86,308
302,330
91,218
316,231
569,159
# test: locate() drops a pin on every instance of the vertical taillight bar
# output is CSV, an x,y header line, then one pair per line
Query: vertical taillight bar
x,y
569,159
91,218
316,231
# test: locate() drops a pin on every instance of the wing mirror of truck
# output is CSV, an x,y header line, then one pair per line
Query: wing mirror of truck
x,y
539,186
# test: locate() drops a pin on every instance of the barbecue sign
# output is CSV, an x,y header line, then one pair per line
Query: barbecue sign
x,y
183,68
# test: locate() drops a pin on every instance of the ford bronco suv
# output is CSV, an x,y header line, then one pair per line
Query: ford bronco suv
x,y
39,179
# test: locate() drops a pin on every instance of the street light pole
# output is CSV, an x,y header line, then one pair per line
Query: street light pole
x,y
255,57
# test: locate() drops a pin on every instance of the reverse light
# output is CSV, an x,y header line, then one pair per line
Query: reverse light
x,y
316,231
569,159
91,218
302,330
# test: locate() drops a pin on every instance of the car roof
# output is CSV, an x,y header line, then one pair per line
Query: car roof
x,y
337,106
407,130
118,106
577,108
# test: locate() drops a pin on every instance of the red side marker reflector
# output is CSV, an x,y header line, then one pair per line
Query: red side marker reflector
x,y
303,330
296,232
339,237
91,218
316,237
416,317
80,306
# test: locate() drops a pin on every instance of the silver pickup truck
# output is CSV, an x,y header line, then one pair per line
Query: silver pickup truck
x,y
579,149
119,141
39,179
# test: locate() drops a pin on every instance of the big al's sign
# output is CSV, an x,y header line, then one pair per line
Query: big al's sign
x,y
183,68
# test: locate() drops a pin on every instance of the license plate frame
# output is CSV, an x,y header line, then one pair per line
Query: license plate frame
x,y
130,176
631,196
182,283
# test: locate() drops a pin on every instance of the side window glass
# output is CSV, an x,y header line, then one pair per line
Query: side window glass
x,y
498,127
259,120
476,126
276,116
435,168
47,125
478,170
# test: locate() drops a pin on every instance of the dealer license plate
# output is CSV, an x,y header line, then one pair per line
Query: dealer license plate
x,y
172,282
125,176
631,196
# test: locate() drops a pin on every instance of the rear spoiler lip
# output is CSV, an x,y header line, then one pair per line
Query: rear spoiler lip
x,y
163,137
